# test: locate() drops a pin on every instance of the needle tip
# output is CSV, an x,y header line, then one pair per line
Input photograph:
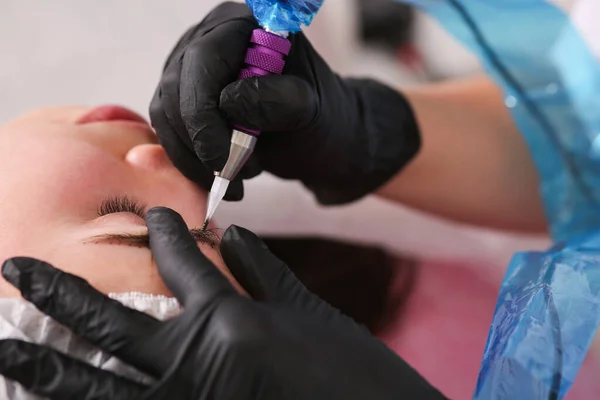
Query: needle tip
x,y
217,192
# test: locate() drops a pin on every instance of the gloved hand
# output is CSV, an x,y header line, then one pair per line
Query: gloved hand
x,y
284,344
342,138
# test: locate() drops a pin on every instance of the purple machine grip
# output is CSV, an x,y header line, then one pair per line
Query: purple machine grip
x,y
265,56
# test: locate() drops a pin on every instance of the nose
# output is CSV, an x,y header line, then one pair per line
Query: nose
x,y
151,157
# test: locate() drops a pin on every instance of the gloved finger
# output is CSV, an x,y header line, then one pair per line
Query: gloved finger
x,y
188,274
182,156
235,191
271,103
177,51
169,95
267,278
171,115
210,63
46,372
72,302
179,153
263,275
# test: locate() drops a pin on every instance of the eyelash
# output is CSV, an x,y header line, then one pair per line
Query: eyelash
x,y
118,204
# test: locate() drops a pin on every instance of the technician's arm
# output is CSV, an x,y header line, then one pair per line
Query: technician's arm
x,y
474,165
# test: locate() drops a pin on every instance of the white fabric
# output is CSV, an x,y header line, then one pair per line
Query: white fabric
x,y
21,320
585,16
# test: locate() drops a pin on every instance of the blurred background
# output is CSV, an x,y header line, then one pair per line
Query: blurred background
x,y
90,53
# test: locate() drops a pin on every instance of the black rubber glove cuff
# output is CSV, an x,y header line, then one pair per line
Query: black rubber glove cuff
x,y
390,141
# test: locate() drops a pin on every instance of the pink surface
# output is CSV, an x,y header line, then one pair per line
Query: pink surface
x,y
443,329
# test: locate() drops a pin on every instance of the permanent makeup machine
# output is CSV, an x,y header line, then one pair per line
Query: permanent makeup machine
x,y
266,55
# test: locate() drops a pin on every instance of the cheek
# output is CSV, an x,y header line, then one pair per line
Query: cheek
x,y
112,269
120,269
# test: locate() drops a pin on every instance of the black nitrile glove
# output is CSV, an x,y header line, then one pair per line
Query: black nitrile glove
x,y
342,138
284,344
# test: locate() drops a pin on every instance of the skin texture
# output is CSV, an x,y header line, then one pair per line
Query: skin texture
x,y
55,175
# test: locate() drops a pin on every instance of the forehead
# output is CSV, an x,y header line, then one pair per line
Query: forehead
x,y
58,114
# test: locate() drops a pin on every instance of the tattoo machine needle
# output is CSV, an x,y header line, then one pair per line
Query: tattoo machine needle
x,y
264,56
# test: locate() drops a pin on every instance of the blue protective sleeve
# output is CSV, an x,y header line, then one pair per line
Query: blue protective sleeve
x,y
546,316
548,308
284,15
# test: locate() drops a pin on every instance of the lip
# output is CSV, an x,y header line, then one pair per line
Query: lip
x,y
111,113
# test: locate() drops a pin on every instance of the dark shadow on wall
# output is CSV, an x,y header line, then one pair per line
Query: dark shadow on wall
x,y
385,23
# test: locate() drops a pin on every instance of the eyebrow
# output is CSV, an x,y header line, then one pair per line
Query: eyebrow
x,y
207,237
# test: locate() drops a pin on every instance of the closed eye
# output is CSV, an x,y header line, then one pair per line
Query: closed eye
x,y
119,204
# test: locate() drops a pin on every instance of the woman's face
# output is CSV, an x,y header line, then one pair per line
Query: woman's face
x,y
72,175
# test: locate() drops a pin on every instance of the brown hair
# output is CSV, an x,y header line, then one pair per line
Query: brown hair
x,y
356,279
